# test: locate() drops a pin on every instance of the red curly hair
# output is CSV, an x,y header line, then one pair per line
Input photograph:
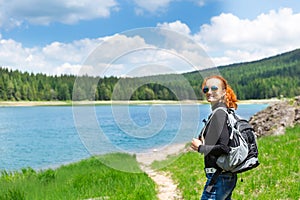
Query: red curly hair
x,y
230,97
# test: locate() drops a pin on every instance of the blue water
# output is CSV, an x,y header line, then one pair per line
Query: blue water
x,y
49,136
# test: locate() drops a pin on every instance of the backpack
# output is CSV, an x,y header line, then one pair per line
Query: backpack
x,y
243,154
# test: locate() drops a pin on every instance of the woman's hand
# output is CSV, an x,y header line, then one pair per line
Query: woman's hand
x,y
195,144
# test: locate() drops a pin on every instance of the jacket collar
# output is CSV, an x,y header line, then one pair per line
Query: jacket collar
x,y
219,104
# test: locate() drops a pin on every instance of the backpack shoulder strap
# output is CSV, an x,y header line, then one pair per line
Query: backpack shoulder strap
x,y
210,117
213,180
219,108
232,118
215,110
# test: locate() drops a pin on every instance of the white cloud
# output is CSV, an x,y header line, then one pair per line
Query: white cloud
x,y
70,52
229,39
181,42
67,68
94,56
51,59
116,55
15,12
151,61
122,55
12,53
105,59
176,26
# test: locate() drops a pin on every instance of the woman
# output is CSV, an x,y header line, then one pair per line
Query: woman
x,y
215,138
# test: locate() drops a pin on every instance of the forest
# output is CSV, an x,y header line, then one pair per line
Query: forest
x,y
273,77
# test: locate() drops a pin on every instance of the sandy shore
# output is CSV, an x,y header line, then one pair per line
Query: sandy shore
x,y
70,103
160,153
259,101
34,103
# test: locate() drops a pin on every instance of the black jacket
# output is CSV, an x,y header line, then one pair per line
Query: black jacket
x,y
216,137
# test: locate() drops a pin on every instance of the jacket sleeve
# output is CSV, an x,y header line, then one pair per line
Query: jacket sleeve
x,y
217,136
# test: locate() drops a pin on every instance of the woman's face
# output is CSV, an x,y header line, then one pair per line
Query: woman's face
x,y
214,91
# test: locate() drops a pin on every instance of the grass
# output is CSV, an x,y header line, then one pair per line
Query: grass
x,y
83,180
277,177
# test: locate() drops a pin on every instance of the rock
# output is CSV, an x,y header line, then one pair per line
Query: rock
x,y
297,101
275,118
297,115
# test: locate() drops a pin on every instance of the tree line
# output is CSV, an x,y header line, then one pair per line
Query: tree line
x,y
273,77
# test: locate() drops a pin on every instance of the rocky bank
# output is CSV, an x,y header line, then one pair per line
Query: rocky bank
x,y
276,117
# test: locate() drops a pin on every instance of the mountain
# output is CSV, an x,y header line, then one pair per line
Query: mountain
x,y
273,77
276,76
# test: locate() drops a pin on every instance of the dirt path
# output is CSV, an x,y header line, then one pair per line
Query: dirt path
x,y
167,188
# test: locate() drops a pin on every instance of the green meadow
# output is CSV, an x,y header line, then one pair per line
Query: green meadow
x,y
277,177
83,180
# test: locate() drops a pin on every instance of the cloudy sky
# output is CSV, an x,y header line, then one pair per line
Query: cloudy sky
x,y
138,37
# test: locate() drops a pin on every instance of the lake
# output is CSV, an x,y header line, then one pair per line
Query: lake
x,y
49,136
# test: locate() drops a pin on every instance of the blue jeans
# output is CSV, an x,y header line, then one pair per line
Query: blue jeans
x,y
222,189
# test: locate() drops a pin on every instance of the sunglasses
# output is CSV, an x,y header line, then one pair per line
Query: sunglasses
x,y
206,89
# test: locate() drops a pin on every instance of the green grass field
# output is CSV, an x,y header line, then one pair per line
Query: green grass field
x,y
277,177
86,179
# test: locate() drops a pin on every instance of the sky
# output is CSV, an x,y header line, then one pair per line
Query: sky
x,y
137,37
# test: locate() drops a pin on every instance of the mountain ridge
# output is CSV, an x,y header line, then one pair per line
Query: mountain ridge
x,y
276,76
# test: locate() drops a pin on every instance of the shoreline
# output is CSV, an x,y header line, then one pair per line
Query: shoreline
x,y
150,102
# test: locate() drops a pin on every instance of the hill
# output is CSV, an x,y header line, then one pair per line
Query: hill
x,y
276,76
